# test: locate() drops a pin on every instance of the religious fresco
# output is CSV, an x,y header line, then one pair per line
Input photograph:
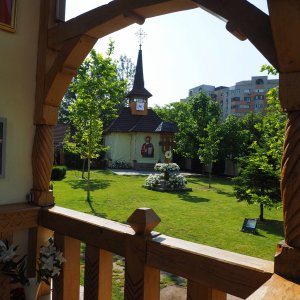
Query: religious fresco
x,y
7,14
147,149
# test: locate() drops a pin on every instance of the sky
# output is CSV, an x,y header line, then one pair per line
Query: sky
x,y
182,50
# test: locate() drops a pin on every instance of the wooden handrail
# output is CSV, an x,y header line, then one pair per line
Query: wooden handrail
x,y
233,273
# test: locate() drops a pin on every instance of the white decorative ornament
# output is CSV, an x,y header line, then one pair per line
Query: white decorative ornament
x,y
168,154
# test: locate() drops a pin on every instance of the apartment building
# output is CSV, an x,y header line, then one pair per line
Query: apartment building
x,y
245,96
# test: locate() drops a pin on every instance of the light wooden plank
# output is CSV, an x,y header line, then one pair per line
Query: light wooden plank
x,y
98,274
66,286
152,283
197,291
277,288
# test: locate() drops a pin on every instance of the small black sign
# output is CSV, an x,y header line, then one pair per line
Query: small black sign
x,y
249,225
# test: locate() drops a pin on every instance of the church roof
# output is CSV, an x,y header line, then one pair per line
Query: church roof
x,y
126,122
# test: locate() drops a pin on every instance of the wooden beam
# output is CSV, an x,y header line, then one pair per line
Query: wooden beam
x,y
97,232
15,217
248,20
285,21
112,17
232,273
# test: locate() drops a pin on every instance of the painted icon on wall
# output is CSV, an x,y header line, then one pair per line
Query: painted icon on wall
x,y
147,149
8,15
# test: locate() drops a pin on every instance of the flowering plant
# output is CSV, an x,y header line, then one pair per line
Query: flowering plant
x,y
161,167
50,262
10,265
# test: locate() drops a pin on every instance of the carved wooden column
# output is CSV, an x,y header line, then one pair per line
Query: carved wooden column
x,y
141,281
42,161
287,259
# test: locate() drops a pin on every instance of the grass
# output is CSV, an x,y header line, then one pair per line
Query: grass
x,y
207,216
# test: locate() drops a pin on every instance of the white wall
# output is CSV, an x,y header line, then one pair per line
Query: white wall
x,y
127,147
18,53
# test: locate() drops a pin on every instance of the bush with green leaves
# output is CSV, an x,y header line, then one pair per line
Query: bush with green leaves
x,y
58,172
120,164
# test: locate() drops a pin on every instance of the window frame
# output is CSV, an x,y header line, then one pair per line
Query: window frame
x,y
3,121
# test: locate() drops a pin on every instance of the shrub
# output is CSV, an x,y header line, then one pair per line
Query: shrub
x,y
58,172
120,164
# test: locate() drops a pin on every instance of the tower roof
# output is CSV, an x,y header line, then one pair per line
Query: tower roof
x,y
138,89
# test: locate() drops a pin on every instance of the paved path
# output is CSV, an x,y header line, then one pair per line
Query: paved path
x,y
145,173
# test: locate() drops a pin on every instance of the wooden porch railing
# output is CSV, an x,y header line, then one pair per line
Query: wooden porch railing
x,y
211,273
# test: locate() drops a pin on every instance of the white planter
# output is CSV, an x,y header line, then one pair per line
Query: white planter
x,y
31,290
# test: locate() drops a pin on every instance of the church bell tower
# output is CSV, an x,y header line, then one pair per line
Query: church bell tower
x,y
138,96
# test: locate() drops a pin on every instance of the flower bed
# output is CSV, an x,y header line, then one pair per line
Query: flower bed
x,y
168,180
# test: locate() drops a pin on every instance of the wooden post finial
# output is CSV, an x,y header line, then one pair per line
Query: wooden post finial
x,y
143,221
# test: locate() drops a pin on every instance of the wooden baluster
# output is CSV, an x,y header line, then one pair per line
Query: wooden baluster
x,y
197,291
141,281
67,285
98,274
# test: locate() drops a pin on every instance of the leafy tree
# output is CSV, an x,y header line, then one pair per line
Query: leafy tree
x,y
192,120
259,179
209,146
234,138
98,93
87,137
98,77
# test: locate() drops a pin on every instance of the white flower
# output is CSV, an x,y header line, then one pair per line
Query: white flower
x,y
7,254
47,251
47,263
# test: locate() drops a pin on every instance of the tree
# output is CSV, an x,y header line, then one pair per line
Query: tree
x,y
259,179
209,146
234,139
98,92
87,137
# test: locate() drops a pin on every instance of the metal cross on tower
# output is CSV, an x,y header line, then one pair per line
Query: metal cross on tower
x,y
141,35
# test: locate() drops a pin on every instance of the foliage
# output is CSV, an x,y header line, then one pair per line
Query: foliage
x,y
58,172
10,264
126,71
120,164
50,262
191,117
259,180
98,78
270,69
209,146
234,138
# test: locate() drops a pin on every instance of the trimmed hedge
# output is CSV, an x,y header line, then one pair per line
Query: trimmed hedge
x,y
58,172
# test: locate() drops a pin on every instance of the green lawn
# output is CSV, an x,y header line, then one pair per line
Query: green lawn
x,y
212,217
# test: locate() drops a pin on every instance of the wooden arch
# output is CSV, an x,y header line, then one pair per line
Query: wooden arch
x,y
63,47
